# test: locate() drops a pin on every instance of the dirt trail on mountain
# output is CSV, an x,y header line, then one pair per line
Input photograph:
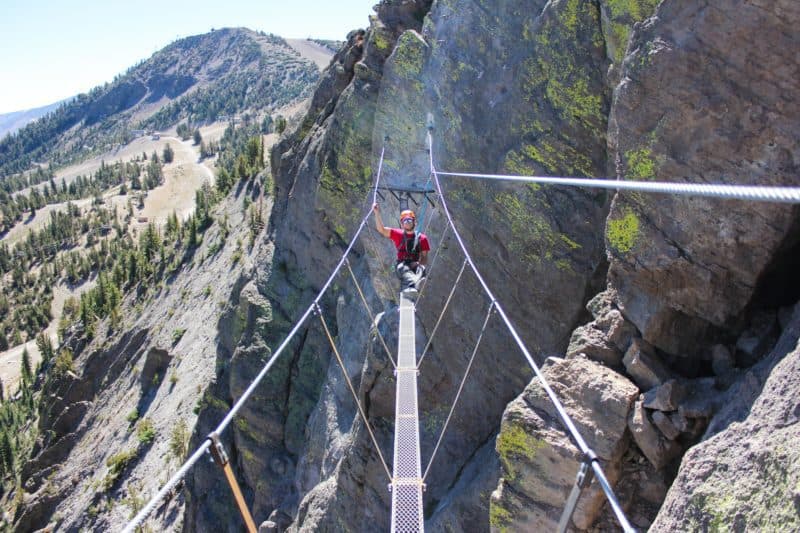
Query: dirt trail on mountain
x,y
312,51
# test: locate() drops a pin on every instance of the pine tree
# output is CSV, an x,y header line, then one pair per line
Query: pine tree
x,y
197,137
25,367
45,347
192,232
169,154
6,452
280,124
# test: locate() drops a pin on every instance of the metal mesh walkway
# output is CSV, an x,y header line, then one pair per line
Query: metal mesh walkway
x,y
407,479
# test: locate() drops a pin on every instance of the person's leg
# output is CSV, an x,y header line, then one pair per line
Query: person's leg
x,y
407,277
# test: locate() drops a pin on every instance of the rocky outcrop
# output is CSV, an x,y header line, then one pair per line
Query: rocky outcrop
x,y
540,461
745,471
706,104
655,326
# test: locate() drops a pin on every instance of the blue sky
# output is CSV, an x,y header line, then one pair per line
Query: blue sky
x,y
51,49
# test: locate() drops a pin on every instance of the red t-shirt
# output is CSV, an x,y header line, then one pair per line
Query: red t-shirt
x,y
405,244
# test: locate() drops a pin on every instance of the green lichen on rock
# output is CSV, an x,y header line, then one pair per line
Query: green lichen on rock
x,y
381,39
409,55
346,175
623,232
566,91
514,442
641,164
554,72
499,518
532,237
622,15
638,10
716,505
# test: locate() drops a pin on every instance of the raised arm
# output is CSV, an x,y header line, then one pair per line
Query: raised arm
x,y
378,222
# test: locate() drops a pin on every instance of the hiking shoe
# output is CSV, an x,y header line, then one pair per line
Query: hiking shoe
x,y
410,293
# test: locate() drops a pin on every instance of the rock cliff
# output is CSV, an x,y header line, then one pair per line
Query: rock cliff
x,y
682,294
688,290
667,326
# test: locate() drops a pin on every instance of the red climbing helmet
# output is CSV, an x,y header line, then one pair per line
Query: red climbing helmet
x,y
408,213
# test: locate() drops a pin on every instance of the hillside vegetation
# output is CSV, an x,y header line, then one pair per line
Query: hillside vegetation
x,y
200,79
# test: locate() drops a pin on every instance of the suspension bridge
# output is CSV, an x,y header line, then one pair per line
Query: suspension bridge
x,y
407,479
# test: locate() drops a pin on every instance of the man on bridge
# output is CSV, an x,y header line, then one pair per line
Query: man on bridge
x,y
412,249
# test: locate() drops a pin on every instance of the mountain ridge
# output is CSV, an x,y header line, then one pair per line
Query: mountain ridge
x,y
14,120
184,74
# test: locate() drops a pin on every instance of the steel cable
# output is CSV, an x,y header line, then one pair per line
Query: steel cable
x,y
565,418
460,388
353,391
738,192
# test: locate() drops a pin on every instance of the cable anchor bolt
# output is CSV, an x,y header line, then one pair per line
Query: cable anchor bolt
x,y
217,450
585,472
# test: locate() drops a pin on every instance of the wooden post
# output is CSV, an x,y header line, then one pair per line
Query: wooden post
x,y
221,458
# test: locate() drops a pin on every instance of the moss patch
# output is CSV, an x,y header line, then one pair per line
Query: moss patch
x,y
641,164
622,232
532,236
623,15
408,56
513,442
499,518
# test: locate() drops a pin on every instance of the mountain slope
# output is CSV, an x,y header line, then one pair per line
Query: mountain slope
x,y
11,122
198,78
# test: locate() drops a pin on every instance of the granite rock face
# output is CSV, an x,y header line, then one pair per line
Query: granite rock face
x,y
669,91
704,98
323,171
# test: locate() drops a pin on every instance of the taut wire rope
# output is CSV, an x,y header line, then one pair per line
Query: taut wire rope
x,y
353,391
565,418
371,316
736,192
460,388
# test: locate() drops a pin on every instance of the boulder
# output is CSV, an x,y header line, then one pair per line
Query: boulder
x,y
754,343
592,342
620,332
702,98
702,399
664,423
658,450
268,526
679,422
539,461
665,397
644,366
722,362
